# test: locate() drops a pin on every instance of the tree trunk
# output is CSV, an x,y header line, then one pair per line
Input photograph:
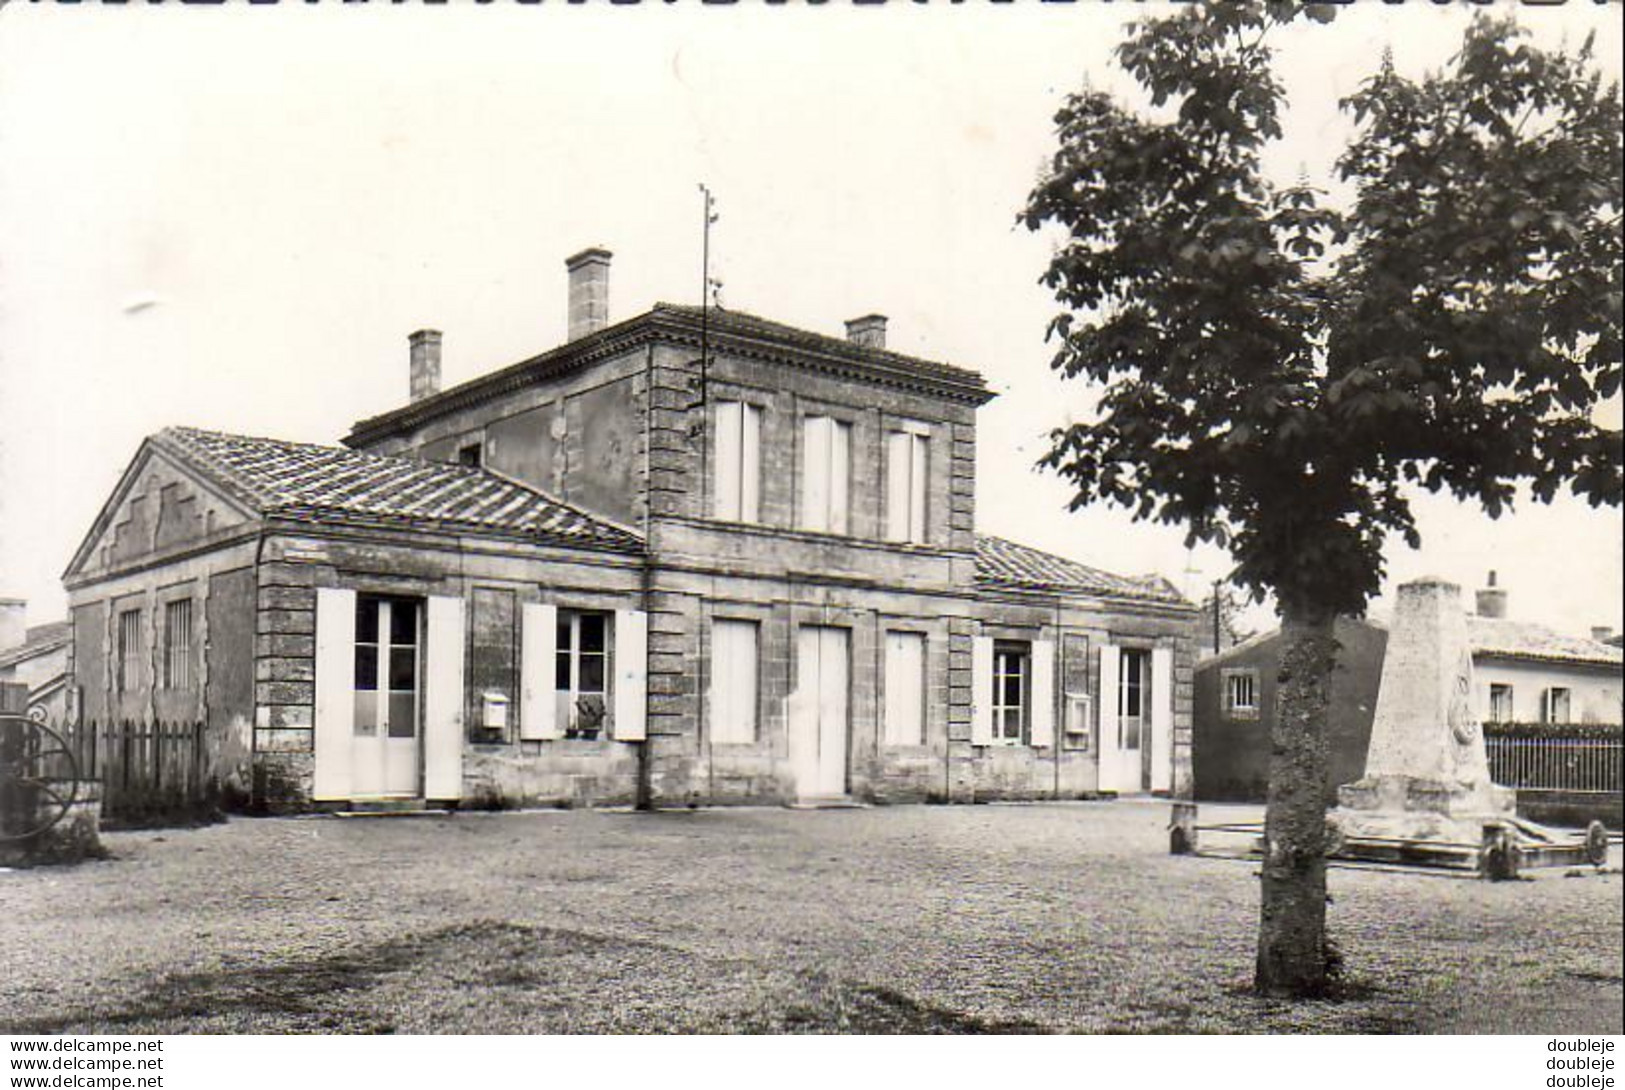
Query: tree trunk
x,y
1292,948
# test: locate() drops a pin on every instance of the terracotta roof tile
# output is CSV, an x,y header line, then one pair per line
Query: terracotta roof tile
x,y
1002,563
303,480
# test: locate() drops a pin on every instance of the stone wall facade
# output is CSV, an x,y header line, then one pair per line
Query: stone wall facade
x,y
622,423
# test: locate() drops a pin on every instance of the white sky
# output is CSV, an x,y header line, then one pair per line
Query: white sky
x,y
232,217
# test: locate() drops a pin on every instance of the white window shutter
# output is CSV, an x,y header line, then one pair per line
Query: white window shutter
x,y
1109,744
1162,719
919,465
750,463
443,700
726,501
538,645
720,696
335,692
815,462
1041,731
897,485
981,718
733,681
840,462
631,676
905,688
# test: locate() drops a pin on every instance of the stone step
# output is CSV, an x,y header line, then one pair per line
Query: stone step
x,y
827,802
388,808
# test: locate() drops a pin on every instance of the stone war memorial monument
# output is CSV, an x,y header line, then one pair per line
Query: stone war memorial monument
x,y
1426,796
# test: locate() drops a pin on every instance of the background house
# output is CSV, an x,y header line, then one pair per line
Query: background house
x,y
36,656
691,557
1523,673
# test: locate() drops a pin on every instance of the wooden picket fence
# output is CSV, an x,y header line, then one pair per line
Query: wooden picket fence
x,y
150,773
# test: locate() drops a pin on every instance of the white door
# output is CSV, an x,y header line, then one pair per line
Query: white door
x,y
818,719
1133,720
384,753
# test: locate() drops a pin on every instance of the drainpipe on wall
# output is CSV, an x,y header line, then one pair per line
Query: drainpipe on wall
x,y
643,793
256,781
1057,696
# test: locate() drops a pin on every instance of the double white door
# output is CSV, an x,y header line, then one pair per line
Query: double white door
x,y
384,760
819,713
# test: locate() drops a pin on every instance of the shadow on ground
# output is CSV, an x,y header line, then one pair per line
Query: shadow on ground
x,y
492,977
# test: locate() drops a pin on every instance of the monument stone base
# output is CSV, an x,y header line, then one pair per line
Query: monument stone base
x,y
1409,819
1413,808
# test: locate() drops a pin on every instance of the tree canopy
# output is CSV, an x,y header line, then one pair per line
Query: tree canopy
x,y
1277,370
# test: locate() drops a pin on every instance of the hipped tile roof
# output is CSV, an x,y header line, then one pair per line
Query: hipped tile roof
x,y
1488,637
1496,637
310,482
1002,563
745,324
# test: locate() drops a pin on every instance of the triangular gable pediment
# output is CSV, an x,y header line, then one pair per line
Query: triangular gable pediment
x,y
162,503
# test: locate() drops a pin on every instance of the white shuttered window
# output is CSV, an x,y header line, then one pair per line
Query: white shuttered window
x,y
738,462
907,458
826,453
905,688
733,681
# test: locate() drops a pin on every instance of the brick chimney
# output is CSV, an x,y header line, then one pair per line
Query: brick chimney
x,y
13,623
425,363
1492,600
589,292
869,331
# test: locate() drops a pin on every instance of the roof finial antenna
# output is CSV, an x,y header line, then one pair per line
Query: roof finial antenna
x,y
701,381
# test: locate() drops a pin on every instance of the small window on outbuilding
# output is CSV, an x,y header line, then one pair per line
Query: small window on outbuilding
x,y
469,455
1240,693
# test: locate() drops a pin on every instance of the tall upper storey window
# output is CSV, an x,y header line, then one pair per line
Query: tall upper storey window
x,y
907,456
738,462
826,452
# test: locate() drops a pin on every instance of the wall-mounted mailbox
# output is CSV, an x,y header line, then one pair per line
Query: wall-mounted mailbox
x,y
1079,718
494,711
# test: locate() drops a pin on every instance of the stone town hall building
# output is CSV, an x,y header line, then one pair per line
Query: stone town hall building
x,y
606,575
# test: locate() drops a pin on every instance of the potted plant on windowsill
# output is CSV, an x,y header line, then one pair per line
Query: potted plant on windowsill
x,y
589,718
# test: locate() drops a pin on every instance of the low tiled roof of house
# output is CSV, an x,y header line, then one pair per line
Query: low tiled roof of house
x,y
1003,563
42,639
306,481
1493,637
1498,637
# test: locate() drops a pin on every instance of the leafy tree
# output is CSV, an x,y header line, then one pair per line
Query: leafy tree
x,y
1278,371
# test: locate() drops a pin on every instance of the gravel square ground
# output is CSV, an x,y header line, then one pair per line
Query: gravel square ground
x,y
1062,917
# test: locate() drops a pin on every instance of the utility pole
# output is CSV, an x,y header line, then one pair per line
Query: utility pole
x,y
1217,583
